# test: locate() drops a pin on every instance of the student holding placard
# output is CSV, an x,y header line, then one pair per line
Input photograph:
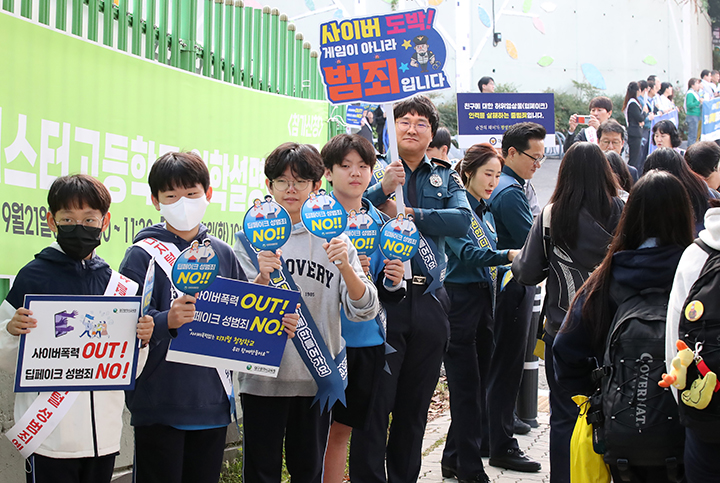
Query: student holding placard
x,y
331,279
180,412
349,162
418,326
88,425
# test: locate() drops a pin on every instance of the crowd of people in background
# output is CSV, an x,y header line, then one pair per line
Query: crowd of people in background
x,y
622,218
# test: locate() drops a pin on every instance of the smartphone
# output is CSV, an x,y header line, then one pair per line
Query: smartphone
x,y
583,119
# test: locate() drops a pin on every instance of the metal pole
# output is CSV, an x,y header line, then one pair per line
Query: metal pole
x,y
163,32
228,33
305,92
77,17
256,19
92,18
26,8
122,25
298,64
217,44
61,14
528,395
207,39
237,51
247,44
108,23
275,42
150,30
265,50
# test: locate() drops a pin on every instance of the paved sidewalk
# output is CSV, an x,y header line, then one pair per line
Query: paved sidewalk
x,y
536,445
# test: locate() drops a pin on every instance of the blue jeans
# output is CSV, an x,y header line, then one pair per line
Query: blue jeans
x,y
693,124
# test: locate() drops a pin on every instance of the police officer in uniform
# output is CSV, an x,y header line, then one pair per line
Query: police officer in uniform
x,y
523,147
418,326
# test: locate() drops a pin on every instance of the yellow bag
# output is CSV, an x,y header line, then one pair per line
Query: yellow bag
x,y
586,466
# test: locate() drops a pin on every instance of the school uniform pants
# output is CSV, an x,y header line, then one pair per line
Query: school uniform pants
x,y
563,415
164,454
267,422
701,459
42,469
635,153
467,362
512,327
418,329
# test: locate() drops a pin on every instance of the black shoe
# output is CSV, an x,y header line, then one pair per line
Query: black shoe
x,y
520,426
448,471
515,459
481,478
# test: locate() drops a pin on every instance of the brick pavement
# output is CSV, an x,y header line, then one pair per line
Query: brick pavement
x,y
535,444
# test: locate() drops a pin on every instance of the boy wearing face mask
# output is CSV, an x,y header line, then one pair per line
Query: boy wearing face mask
x,y
87,439
180,412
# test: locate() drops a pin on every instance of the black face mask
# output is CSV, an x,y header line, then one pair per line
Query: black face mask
x,y
79,241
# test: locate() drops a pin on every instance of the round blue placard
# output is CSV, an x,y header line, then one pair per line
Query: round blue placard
x,y
363,231
267,225
195,268
399,238
323,215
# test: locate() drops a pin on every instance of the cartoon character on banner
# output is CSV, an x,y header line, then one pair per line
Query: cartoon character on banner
x,y
423,55
195,268
399,238
323,216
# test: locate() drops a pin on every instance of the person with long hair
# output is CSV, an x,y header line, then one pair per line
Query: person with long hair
x,y
703,159
654,229
635,120
665,135
582,215
622,174
471,276
669,160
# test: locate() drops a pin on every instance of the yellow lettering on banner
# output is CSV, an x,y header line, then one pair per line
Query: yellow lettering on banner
x,y
183,277
370,27
327,35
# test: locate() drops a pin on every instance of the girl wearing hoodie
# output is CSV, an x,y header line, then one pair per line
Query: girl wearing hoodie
x,y
654,229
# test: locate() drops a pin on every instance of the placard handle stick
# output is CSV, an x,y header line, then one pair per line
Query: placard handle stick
x,y
394,155
392,144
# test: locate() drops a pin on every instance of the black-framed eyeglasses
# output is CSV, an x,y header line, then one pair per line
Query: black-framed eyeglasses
x,y
68,224
539,161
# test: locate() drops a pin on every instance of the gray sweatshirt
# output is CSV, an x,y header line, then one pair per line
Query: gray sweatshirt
x,y
325,294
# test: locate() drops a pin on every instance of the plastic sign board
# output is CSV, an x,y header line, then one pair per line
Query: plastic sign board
x,y
382,58
237,326
363,231
399,238
195,268
323,215
81,343
267,225
484,118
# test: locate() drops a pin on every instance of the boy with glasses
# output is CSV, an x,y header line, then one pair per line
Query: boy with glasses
x,y
282,411
87,439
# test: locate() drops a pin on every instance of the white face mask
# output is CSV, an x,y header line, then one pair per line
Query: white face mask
x,y
186,213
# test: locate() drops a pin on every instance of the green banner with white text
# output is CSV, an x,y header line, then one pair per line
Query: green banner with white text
x,y
72,106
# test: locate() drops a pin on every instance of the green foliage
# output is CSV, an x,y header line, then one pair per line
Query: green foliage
x,y
506,87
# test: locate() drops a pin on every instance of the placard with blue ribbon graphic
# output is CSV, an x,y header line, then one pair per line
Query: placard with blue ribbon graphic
x,y
237,326
196,267
363,231
399,238
267,224
382,58
323,215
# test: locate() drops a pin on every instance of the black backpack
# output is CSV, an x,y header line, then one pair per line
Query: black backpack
x,y
706,330
641,424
